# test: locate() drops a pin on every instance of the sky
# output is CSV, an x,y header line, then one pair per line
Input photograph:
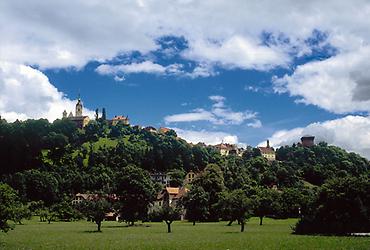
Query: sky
x,y
236,71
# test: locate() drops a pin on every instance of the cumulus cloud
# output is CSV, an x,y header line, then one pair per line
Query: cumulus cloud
x,y
340,84
351,133
238,51
27,93
222,32
207,137
133,68
218,115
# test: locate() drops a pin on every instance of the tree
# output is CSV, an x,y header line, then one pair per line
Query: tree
x,y
235,205
8,205
341,207
212,182
104,115
96,209
168,214
136,191
266,203
176,177
196,204
21,212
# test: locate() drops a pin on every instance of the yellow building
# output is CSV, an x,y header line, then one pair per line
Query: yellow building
x,y
268,152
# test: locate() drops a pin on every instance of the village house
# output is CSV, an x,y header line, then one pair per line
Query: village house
x,y
160,177
190,177
120,120
226,149
268,152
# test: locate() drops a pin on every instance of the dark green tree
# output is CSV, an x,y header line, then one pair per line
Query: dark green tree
x,y
235,205
168,214
136,191
96,210
196,204
8,206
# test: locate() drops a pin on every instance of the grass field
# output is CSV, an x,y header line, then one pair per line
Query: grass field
x,y
274,234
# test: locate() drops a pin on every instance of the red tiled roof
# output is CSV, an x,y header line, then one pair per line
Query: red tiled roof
x,y
266,150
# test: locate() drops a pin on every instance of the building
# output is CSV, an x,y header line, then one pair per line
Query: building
x,y
164,130
151,129
120,120
268,152
79,119
190,177
170,196
308,140
226,149
160,177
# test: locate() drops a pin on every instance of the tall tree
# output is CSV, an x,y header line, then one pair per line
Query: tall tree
x,y
136,191
196,204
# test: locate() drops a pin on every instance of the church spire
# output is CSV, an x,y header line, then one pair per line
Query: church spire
x,y
79,106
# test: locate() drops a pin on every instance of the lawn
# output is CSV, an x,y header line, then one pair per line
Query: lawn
x,y
274,234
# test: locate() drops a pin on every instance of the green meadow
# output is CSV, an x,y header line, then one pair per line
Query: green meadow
x,y
274,234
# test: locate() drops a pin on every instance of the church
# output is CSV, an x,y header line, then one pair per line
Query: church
x,y
79,119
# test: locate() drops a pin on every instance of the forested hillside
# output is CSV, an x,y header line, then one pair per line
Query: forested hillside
x,y
50,162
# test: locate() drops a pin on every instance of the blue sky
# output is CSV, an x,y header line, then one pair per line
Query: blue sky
x,y
233,71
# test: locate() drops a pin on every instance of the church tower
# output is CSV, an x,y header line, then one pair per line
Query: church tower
x,y
79,107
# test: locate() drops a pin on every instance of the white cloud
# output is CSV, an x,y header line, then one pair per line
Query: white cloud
x,y
351,133
238,51
133,68
222,32
340,84
27,93
197,115
226,34
218,115
207,137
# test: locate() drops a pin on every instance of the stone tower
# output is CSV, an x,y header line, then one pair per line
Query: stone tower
x,y
65,114
79,107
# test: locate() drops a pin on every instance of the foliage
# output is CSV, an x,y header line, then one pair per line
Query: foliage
x,y
168,214
342,207
96,209
212,182
136,191
196,204
8,205
235,205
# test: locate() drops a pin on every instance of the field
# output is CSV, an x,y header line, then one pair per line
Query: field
x,y
274,234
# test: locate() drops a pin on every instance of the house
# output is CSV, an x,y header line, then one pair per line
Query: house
x,y
160,177
169,196
120,119
164,130
226,149
268,152
190,177
151,129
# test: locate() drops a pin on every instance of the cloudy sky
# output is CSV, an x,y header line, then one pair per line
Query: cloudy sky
x,y
238,71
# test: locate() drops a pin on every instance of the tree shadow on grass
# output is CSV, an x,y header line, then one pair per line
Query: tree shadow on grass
x,y
236,232
91,231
